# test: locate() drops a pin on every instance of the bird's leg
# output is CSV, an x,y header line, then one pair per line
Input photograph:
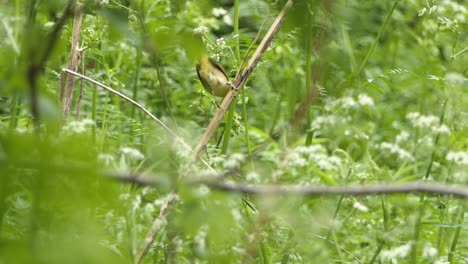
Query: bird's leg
x,y
218,105
232,85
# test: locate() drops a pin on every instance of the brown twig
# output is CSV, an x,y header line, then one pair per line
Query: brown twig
x,y
158,223
73,61
80,98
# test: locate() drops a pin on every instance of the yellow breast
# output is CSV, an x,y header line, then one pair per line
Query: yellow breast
x,y
213,78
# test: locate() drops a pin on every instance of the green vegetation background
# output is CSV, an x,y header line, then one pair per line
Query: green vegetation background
x,y
391,107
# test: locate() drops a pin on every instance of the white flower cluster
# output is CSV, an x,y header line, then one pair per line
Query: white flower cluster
x,y
396,253
322,122
78,127
348,102
132,153
455,78
200,30
394,149
317,154
233,161
427,121
458,157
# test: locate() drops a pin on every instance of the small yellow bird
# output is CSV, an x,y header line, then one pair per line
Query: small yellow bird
x,y
213,77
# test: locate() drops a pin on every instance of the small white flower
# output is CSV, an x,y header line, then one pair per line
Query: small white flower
x,y
403,136
227,19
218,11
396,253
442,260
324,164
124,196
443,129
181,149
298,162
252,177
149,208
136,202
237,215
202,191
365,100
460,157
360,207
455,78
221,42
49,24
348,102
105,159
218,159
200,30
418,120
429,251
78,127
108,217
132,153
233,161
238,249
21,130
335,161
200,238
396,150
322,122
177,244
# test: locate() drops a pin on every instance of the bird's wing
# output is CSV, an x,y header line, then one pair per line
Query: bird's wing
x,y
219,67
203,81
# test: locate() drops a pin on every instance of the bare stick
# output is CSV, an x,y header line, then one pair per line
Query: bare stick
x,y
312,191
78,105
73,61
128,99
419,187
158,223
218,117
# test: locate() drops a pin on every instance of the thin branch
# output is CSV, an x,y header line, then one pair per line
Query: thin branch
x,y
158,224
420,187
270,189
128,99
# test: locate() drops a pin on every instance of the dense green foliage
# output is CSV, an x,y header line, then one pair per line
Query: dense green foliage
x,y
383,85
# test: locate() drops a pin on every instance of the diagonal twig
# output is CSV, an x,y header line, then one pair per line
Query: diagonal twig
x,y
128,99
